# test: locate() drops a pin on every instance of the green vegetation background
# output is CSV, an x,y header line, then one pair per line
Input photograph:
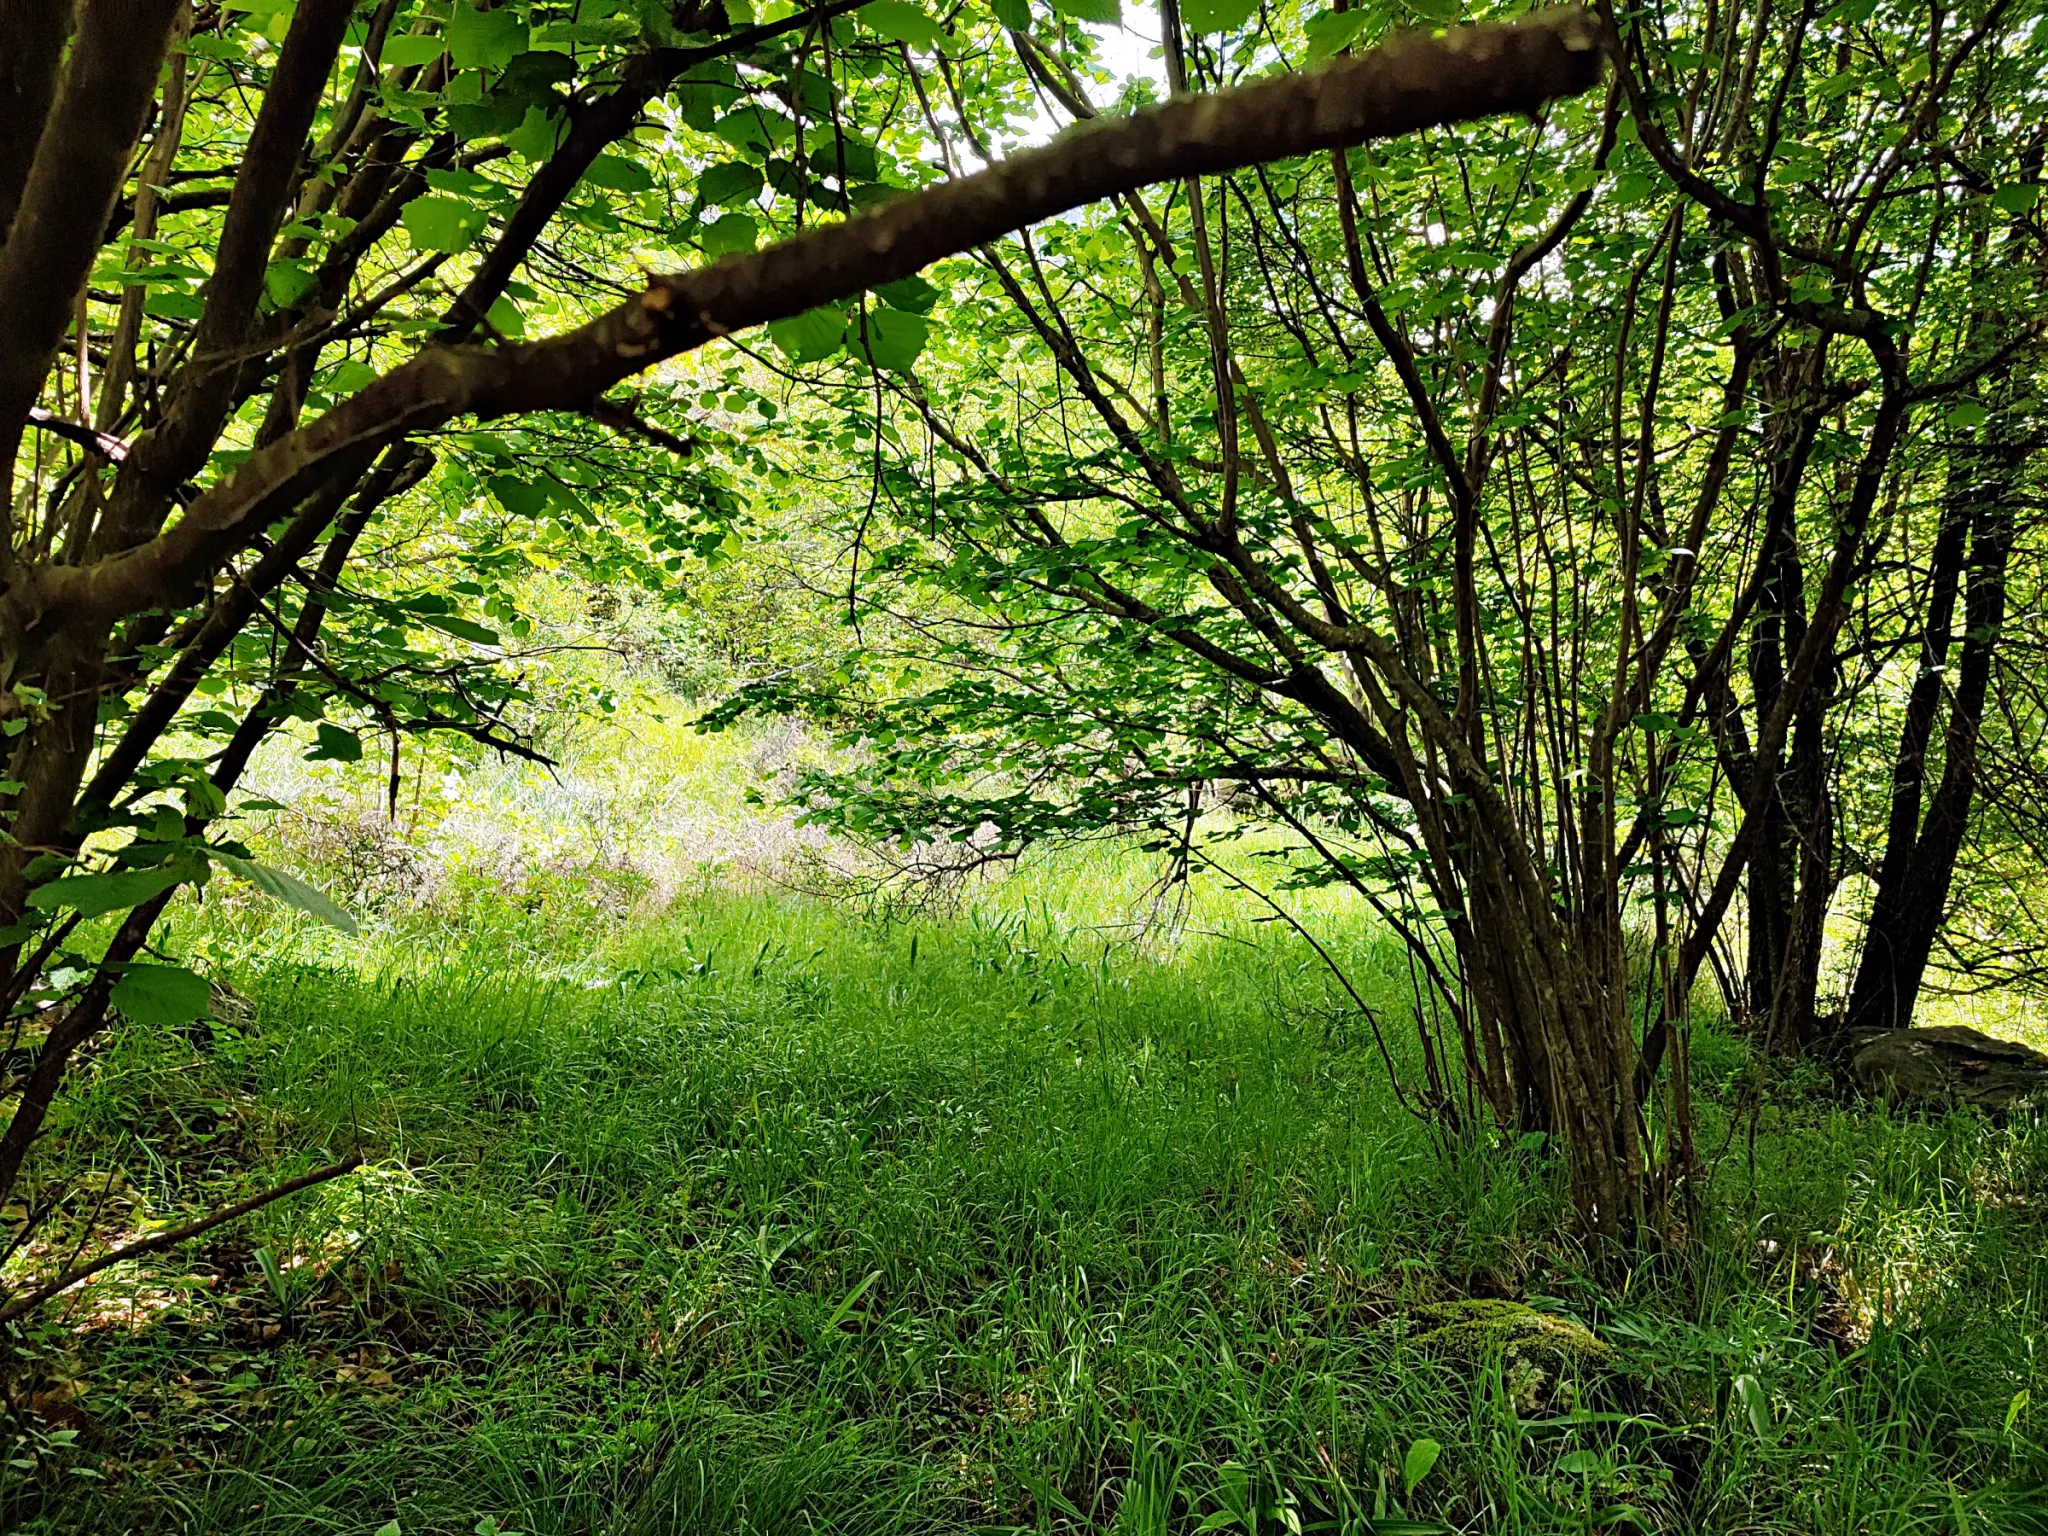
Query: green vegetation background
x,y
697,1204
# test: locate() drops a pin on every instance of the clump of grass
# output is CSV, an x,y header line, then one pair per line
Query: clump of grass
x,y
764,1218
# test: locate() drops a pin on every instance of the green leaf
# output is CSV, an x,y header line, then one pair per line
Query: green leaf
x,y
1014,14
538,135
848,160
1968,415
1415,1465
619,174
1108,13
289,889
734,232
389,1528
485,39
96,895
732,182
405,52
911,293
901,22
161,994
174,304
1218,15
332,744
505,319
1749,1392
486,119
287,282
522,498
812,336
1333,31
442,224
894,338
461,628
2016,198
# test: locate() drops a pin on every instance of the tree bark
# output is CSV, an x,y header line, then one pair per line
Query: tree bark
x,y
1919,861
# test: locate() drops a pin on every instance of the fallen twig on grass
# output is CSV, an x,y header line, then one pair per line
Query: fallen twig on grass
x,y
176,1235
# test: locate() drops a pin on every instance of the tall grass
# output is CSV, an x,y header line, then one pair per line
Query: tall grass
x,y
760,1217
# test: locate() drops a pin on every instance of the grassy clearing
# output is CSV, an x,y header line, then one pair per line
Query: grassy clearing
x,y
766,1218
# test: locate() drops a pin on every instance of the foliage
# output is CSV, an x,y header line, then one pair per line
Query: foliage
x,y
1525,516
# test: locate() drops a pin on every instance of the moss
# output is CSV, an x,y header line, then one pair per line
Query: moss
x,y
1480,1326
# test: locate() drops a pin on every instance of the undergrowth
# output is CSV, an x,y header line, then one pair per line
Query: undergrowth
x,y
766,1218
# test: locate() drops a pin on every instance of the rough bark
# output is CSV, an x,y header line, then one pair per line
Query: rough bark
x,y
69,194
32,34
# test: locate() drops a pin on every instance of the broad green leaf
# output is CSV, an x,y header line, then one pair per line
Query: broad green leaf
x,y
487,119
732,182
288,282
911,293
1218,15
436,223
1333,31
1108,13
894,339
1416,1464
754,129
161,994
174,304
2016,198
461,628
522,498
96,895
332,744
505,319
901,22
538,135
734,232
485,39
812,336
347,376
289,889
405,52
1968,415
619,174
1014,14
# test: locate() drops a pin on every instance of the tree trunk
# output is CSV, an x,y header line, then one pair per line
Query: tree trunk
x,y
1920,856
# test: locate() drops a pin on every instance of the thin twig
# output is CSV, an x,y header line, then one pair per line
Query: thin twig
x,y
176,1235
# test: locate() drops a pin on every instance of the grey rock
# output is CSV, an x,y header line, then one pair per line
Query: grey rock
x,y
1949,1065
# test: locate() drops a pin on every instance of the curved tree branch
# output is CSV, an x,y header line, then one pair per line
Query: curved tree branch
x,y
1411,83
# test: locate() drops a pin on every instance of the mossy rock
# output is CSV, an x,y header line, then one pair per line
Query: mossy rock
x,y
1482,1327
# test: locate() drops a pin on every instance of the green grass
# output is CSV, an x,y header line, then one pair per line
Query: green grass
x,y
769,1219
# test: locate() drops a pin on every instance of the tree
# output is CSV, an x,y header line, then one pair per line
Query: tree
x,y
1513,440
255,262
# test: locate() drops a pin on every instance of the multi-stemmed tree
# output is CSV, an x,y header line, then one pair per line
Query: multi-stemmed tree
x,y
1523,513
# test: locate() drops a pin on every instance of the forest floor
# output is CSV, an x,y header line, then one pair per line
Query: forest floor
x,y
760,1216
